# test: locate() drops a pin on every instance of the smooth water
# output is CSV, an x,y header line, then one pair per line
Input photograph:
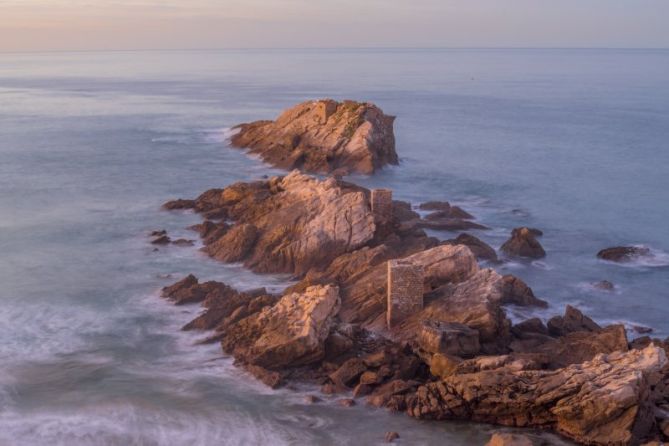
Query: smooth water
x,y
573,142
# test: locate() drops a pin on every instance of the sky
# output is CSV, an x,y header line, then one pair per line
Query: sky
x,y
53,25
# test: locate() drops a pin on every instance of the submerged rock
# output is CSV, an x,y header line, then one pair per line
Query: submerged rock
x,y
523,243
604,285
623,254
322,136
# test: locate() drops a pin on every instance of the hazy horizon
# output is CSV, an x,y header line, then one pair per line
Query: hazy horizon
x,y
120,25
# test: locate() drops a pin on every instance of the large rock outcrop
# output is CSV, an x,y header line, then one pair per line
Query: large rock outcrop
x,y
285,224
321,136
290,333
606,401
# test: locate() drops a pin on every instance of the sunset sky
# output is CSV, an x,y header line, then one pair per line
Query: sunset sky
x,y
37,25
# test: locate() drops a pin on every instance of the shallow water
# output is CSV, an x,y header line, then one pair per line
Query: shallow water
x,y
572,142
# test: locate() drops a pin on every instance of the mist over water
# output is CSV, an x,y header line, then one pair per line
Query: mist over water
x,y
572,142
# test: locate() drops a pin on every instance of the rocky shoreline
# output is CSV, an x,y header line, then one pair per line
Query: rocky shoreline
x,y
385,312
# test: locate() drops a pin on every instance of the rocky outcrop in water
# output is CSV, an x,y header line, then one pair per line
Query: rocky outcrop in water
x,y
523,243
623,254
322,136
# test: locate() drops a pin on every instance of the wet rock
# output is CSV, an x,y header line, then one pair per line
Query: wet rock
x,y
391,436
604,285
346,402
362,390
448,338
481,250
349,372
185,291
573,320
523,243
270,378
516,292
599,402
312,399
323,136
179,204
507,439
450,212
290,333
623,254
448,224
161,240
641,329
158,233
183,242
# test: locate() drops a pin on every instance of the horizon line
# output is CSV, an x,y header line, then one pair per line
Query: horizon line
x,y
415,48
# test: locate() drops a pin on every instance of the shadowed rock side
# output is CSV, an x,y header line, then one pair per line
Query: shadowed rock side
x,y
321,136
457,357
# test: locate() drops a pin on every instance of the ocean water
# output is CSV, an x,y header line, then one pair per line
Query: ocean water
x,y
574,142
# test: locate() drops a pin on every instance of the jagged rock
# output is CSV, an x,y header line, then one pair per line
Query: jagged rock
x,y
507,439
600,402
288,334
523,243
533,325
573,320
448,338
288,224
515,291
183,242
235,245
322,136
623,254
481,250
474,302
348,372
185,291
444,365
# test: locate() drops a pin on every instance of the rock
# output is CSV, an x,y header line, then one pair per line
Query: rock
x,y
179,204
270,378
235,245
349,372
312,399
523,244
573,320
481,250
533,325
580,346
323,136
391,392
183,242
435,206
443,365
362,390
516,292
288,334
346,402
599,402
185,291
288,224
623,254
507,439
161,240
448,338
641,329
451,212
158,233
474,302
391,436
604,285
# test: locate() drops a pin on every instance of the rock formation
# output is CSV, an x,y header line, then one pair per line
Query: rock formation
x,y
322,136
523,243
623,254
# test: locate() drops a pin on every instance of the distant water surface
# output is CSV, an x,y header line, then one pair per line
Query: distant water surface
x,y
574,142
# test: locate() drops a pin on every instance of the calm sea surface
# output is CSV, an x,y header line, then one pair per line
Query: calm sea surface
x,y
574,142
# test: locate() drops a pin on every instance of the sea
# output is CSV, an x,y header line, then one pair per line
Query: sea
x,y
574,142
